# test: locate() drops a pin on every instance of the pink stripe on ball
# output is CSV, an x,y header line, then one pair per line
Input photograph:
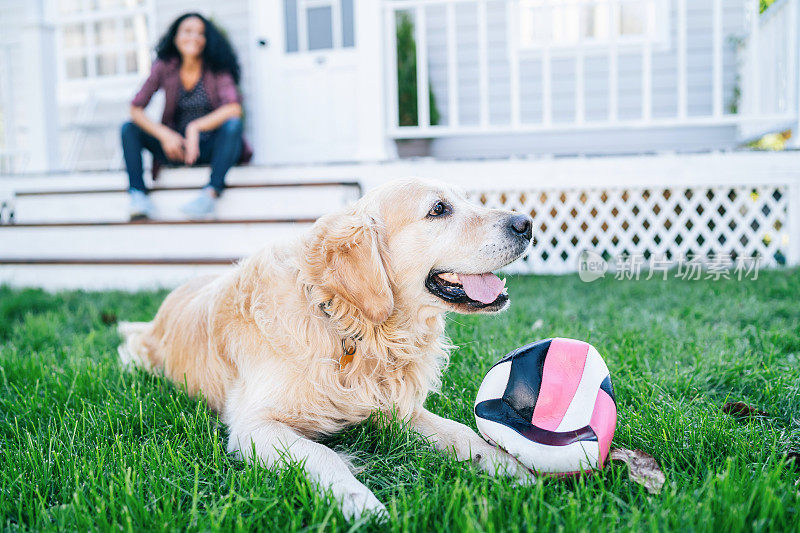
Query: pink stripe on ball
x,y
604,420
563,369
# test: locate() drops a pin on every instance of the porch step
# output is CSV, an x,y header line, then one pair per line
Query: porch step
x,y
144,241
247,201
122,261
94,276
179,177
80,238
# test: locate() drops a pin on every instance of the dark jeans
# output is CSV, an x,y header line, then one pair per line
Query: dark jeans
x,y
221,149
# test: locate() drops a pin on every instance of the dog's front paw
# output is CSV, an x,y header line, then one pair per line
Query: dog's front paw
x,y
359,501
496,462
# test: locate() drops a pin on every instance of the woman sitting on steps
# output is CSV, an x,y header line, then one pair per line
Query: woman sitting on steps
x,y
198,71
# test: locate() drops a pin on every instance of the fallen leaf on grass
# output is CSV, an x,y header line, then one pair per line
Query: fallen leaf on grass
x,y
642,468
793,460
741,410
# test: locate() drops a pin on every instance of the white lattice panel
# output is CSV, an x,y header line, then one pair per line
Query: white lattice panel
x,y
659,222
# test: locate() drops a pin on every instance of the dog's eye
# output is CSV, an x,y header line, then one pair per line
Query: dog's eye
x,y
438,209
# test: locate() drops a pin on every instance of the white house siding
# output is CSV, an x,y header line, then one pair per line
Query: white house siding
x,y
563,66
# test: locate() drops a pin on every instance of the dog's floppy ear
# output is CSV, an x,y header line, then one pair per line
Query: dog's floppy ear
x,y
349,264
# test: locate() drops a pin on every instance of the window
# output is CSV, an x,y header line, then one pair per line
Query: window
x,y
103,39
572,23
318,24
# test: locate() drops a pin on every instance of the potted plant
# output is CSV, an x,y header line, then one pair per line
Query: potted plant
x,y
407,90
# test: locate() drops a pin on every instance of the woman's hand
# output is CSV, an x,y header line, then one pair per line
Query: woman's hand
x,y
192,144
173,144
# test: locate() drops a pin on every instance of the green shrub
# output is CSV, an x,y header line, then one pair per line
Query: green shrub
x,y
407,75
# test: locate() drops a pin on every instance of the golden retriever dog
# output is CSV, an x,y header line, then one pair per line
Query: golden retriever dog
x,y
307,337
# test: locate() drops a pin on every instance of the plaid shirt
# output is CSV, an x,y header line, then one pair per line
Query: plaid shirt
x,y
219,86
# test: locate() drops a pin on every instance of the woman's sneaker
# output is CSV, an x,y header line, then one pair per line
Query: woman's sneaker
x,y
202,206
141,207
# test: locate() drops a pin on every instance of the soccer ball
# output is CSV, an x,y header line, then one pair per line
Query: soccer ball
x,y
551,405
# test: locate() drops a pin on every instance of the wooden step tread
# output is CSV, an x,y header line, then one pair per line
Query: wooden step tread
x,y
111,190
119,261
160,223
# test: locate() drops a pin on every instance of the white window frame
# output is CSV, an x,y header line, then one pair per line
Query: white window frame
x,y
87,17
302,7
656,26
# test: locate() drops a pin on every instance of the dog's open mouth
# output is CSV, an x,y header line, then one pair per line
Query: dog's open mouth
x,y
476,290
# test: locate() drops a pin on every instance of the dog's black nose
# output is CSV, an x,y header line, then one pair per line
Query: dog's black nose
x,y
521,225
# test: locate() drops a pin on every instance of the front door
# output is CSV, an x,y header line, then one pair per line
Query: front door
x,y
311,74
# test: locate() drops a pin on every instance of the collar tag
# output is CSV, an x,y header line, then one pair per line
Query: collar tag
x,y
348,351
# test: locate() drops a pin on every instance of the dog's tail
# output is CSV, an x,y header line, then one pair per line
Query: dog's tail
x,y
132,351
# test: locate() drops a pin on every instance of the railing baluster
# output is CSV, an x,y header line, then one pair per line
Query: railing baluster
x,y
647,81
682,66
753,45
483,64
547,86
421,33
717,58
580,87
771,78
781,67
452,68
390,29
580,71
512,42
547,90
613,61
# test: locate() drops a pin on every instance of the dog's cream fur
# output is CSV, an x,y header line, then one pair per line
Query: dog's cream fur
x,y
262,342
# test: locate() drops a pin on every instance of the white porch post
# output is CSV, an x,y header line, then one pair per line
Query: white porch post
x,y
793,253
794,40
39,99
374,143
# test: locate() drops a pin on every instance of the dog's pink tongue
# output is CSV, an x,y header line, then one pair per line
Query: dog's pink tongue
x,y
484,288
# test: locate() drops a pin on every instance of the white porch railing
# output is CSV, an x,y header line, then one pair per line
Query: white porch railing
x,y
523,39
705,207
669,223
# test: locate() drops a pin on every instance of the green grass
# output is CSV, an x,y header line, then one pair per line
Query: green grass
x,y
84,445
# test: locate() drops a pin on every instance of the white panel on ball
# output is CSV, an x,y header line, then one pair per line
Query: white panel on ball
x,y
494,384
543,458
579,412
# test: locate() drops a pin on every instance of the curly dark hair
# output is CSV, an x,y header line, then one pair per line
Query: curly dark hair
x,y
218,54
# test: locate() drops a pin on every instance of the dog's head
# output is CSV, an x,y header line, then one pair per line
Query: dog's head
x,y
416,243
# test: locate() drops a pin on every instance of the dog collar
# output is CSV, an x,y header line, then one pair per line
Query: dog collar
x,y
348,343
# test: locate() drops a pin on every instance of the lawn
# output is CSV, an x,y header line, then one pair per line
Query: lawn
x,y
85,445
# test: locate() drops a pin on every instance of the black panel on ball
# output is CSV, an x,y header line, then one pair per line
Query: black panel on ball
x,y
609,388
499,411
525,377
